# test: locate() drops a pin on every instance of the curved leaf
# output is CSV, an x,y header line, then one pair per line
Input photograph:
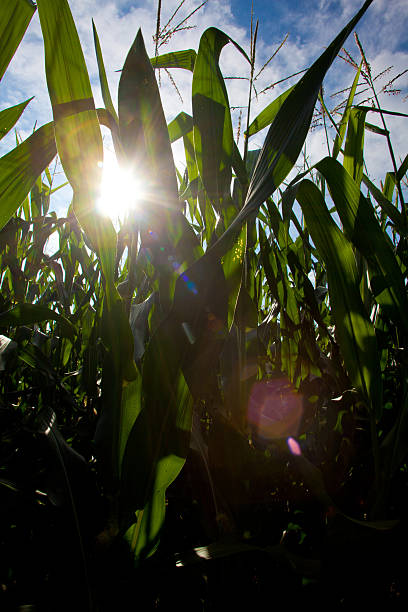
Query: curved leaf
x,y
286,136
213,137
180,126
176,59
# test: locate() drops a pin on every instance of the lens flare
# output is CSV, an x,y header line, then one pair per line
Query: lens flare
x,y
120,190
294,446
275,409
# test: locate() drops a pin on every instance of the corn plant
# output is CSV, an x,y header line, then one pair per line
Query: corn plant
x,y
214,319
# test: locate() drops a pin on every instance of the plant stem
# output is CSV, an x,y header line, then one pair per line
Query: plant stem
x,y
251,82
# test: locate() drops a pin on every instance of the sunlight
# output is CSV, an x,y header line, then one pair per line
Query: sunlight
x,y
120,191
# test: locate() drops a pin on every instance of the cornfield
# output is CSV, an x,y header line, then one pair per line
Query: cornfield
x,y
209,398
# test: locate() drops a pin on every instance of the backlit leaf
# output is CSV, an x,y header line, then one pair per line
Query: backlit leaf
x,y
15,15
20,168
9,116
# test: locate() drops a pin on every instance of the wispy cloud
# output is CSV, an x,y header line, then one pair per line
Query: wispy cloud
x,y
311,29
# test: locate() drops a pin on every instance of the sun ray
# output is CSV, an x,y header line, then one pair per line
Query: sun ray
x,y
121,190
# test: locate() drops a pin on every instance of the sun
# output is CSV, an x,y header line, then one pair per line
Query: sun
x,y
120,192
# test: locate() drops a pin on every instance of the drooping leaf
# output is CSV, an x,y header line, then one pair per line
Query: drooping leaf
x,y
286,135
20,168
381,111
15,15
175,59
213,137
180,126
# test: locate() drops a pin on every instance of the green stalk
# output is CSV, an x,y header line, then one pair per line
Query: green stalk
x,y
251,84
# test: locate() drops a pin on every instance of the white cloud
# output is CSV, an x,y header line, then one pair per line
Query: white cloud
x,y
381,32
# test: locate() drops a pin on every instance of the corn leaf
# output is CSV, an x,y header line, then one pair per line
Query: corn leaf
x,y
28,314
143,129
107,99
375,129
362,228
213,137
388,207
269,113
79,143
338,141
20,168
159,440
286,136
180,126
354,330
15,15
77,130
10,116
353,160
176,59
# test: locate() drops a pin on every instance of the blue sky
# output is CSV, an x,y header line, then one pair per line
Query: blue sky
x,y
311,25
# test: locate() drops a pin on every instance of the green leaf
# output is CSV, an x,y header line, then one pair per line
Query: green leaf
x,y
353,160
176,59
268,114
15,15
403,169
20,168
213,137
354,330
28,314
143,129
159,440
10,116
77,130
79,143
375,129
362,228
286,136
180,126
102,76
382,111
387,206
338,141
